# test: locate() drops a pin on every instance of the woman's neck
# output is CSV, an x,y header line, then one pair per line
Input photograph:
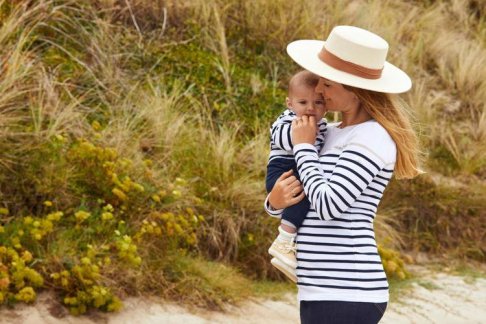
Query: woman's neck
x,y
357,116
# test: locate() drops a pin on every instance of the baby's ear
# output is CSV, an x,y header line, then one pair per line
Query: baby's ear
x,y
288,102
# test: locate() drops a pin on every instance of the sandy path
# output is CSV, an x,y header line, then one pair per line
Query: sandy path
x,y
436,298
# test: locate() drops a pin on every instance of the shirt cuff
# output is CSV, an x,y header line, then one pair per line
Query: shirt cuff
x,y
271,211
302,146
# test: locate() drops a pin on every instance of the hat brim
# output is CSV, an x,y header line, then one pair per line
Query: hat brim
x,y
305,53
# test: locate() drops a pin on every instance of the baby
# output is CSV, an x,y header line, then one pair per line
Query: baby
x,y
302,100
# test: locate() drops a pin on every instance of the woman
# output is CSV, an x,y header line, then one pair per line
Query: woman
x,y
340,274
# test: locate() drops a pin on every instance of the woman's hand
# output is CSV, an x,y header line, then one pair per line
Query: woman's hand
x,y
286,192
304,130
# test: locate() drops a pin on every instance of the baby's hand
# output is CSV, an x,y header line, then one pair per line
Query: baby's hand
x,y
304,130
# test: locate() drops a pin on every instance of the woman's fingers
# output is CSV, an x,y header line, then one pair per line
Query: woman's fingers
x,y
289,180
296,191
297,198
287,191
296,186
285,175
286,178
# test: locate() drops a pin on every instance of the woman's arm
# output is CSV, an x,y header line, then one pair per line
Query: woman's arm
x,y
352,174
356,167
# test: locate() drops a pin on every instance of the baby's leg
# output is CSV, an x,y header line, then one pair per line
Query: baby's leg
x,y
293,216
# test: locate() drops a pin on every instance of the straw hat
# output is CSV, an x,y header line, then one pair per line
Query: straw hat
x,y
351,56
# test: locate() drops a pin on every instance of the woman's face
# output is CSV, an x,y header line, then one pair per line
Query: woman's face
x,y
337,97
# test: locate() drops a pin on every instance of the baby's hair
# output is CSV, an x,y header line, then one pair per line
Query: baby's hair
x,y
303,77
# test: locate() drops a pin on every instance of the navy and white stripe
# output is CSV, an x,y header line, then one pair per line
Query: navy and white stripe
x,y
280,139
337,255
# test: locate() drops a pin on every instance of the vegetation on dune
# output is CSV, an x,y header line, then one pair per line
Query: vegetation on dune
x,y
134,140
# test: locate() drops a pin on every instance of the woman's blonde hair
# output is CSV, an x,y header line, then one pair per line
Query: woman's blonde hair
x,y
391,113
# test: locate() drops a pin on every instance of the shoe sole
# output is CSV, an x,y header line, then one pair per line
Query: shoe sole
x,y
288,272
277,255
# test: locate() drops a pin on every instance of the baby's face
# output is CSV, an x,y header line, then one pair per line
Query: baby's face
x,y
304,100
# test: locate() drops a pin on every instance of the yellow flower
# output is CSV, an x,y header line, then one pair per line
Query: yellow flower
x,y
48,203
148,162
28,220
106,216
16,242
27,256
55,216
26,294
2,230
120,194
34,277
81,215
108,208
4,282
391,266
115,305
60,138
96,125
4,211
138,187
180,181
401,275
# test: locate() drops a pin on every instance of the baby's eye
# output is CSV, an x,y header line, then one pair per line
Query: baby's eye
x,y
319,102
303,102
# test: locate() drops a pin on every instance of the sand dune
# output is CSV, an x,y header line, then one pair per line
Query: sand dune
x,y
436,298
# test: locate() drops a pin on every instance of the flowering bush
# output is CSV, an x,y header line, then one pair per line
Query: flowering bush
x,y
75,251
393,263
17,278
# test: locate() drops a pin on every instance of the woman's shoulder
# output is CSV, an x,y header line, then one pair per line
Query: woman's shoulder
x,y
373,128
373,136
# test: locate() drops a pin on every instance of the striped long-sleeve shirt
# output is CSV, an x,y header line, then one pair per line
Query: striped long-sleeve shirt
x,y
337,256
280,140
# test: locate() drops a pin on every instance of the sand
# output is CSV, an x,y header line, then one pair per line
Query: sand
x,y
435,298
